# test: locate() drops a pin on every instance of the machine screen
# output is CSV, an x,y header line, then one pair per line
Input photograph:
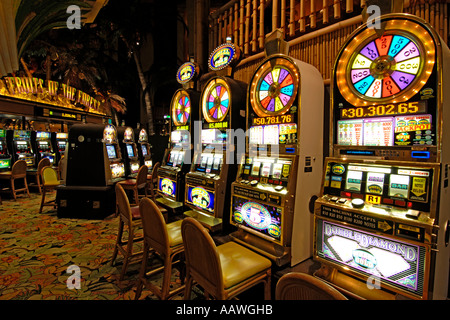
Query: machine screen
x,y
117,170
144,150
267,170
43,145
201,198
273,134
179,136
167,186
175,158
62,145
209,163
213,136
265,219
396,263
22,146
111,151
398,186
130,151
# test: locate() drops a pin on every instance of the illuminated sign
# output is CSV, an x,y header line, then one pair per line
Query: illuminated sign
x,y
384,110
5,163
49,92
186,72
286,118
223,56
396,263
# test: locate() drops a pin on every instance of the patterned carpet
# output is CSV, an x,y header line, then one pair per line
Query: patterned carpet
x,y
36,250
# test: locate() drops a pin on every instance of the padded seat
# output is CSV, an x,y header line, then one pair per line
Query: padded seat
x,y
174,233
222,271
239,263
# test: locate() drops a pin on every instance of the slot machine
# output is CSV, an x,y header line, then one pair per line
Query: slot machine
x,y
382,220
276,179
5,155
144,149
178,156
42,142
129,151
21,147
60,144
94,164
222,106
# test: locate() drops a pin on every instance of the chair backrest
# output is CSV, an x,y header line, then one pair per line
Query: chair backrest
x,y
154,226
302,286
202,258
123,204
45,162
155,172
141,178
49,175
19,169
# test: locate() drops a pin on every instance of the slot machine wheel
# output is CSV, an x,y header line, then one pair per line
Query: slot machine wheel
x,y
181,108
216,100
274,87
392,67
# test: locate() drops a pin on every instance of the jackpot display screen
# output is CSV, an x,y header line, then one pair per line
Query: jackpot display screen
x,y
262,218
179,136
201,198
398,264
167,186
144,150
400,185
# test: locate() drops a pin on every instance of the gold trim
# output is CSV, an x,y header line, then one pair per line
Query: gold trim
x,y
174,105
210,87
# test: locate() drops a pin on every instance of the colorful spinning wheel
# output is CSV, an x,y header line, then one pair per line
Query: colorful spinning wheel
x,y
181,108
274,87
391,67
216,100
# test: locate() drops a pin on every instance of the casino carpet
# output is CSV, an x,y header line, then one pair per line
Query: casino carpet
x,y
36,250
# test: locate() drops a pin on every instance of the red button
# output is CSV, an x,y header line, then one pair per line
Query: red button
x,y
400,203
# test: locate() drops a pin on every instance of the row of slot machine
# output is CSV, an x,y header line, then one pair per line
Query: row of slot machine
x,y
97,157
376,210
31,146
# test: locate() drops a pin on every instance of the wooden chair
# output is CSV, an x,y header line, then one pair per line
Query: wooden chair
x,y
129,218
135,185
18,172
163,240
152,180
223,271
301,286
44,162
50,181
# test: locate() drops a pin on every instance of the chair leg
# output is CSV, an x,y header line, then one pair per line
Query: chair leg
x,y
26,187
118,241
128,253
267,286
142,271
166,277
42,201
188,288
13,189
